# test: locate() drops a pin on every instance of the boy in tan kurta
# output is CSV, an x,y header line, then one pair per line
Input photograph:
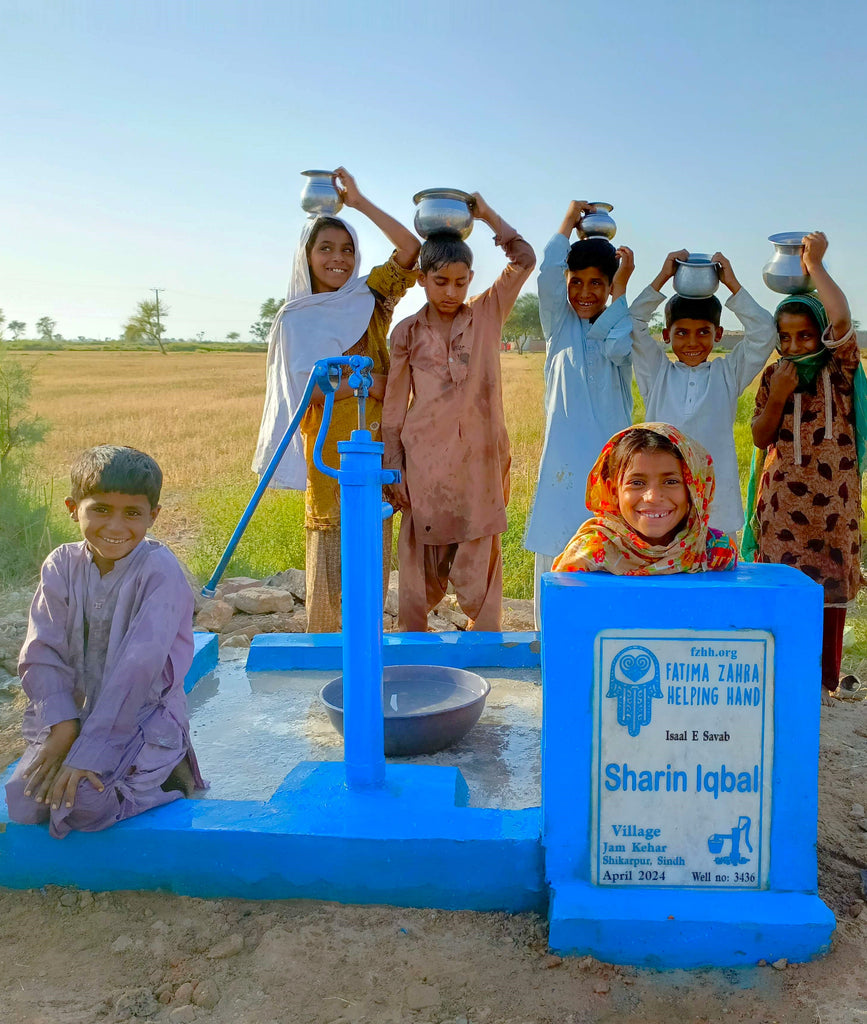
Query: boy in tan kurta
x,y
444,429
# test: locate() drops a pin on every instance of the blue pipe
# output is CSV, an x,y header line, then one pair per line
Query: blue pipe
x,y
362,511
321,375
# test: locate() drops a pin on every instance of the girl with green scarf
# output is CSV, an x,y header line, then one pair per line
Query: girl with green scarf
x,y
804,509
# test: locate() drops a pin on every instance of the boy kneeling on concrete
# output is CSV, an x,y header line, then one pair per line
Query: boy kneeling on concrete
x,y
109,642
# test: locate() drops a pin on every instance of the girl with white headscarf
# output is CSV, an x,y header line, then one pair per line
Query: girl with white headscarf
x,y
330,311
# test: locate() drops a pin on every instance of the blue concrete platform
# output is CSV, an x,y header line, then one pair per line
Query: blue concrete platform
x,y
205,657
642,917
683,928
413,842
279,651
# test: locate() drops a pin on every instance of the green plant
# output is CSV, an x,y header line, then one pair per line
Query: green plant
x,y
25,536
18,430
274,539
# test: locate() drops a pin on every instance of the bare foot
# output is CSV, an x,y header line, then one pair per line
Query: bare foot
x,y
827,699
180,779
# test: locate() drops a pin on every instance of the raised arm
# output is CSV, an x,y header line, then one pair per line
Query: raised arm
x,y
648,354
760,332
669,266
771,403
577,209
553,296
404,241
551,286
833,299
613,330
625,270
522,259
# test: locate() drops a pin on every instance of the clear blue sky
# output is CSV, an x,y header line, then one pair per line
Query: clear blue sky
x,y
159,143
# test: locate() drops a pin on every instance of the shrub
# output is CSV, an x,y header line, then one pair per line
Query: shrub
x,y
25,536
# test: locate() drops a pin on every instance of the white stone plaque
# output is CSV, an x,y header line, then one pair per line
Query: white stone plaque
x,y
682,758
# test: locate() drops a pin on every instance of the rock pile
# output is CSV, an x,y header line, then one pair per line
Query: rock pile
x,y
243,607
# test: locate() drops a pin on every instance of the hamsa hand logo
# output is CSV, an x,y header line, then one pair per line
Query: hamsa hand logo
x,y
634,681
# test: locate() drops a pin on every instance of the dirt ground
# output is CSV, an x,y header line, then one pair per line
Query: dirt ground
x,y
70,957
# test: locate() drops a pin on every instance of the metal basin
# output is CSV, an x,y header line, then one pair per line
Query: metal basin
x,y
696,277
784,272
426,707
319,197
443,211
598,223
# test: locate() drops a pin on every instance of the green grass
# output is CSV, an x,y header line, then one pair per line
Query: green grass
x,y
165,406
274,539
31,525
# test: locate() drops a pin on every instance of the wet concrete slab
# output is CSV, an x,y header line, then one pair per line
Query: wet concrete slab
x,y
251,728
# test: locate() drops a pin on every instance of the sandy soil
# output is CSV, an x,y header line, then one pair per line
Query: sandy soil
x,y
69,957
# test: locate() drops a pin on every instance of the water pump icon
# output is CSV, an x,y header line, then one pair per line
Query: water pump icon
x,y
718,839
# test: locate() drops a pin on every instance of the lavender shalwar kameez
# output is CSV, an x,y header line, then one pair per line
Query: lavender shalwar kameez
x,y
111,651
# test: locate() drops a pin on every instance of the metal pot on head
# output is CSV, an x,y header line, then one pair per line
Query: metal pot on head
x,y
696,277
784,272
320,197
598,223
443,211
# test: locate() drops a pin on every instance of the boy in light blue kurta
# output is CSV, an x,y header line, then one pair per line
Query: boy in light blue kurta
x,y
588,378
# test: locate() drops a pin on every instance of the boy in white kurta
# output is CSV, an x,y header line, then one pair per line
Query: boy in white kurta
x,y
696,394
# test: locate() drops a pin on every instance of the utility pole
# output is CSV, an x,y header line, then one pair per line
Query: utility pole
x,y
159,327
156,292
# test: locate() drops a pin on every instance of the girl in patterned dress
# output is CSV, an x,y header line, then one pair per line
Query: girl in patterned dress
x,y
808,502
650,493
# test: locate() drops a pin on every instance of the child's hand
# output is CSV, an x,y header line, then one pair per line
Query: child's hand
x,y
726,274
624,271
66,785
481,210
398,496
346,187
47,763
784,380
577,209
815,246
669,264
377,388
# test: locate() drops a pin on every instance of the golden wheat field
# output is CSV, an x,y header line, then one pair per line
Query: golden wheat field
x,y
198,414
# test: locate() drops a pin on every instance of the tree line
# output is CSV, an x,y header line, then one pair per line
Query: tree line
x,y
148,324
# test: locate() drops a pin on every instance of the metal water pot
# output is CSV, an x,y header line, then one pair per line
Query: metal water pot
x,y
784,271
599,223
443,211
320,197
696,277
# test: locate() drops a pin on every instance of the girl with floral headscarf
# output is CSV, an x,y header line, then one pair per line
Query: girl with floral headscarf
x,y
650,493
804,507
330,311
